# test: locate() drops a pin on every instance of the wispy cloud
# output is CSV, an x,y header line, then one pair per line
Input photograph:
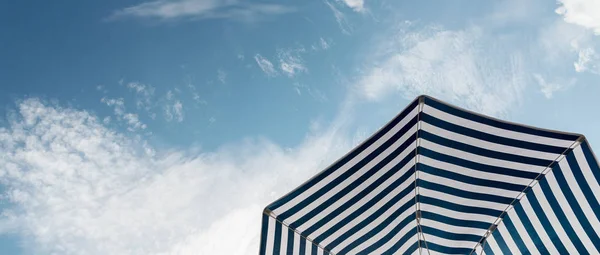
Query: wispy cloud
x,y
144,97
131,119
291,62
340,18
265,65
222,76
75,186
549,88
173,108
460,66
201,9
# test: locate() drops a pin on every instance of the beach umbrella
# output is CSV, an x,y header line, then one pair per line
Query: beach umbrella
x,y
438,179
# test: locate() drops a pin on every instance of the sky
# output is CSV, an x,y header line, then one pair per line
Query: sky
x,y
165,127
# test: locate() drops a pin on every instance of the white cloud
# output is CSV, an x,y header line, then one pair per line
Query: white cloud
x,y
77,187
265,65
290,61
173,108
458,66
563,42
549,88
588,60
340,18
144,97
201,9
132,120
356,5
222,76
584,13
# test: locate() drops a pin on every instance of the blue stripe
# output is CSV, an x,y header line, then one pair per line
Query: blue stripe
x,y
591,160
290,242
380,242
482,151
378,229
489,137
450,235
468,179
394,249
302,245
487,249
445,249
357,183
474,165
455,222
277,242
501,243
583,184
458,207
355,168
495,123
572,200
410,249
374,216
264,234
463,193
541,215
361,195
365,207
539,244
560,215
295,193
314,251
512,231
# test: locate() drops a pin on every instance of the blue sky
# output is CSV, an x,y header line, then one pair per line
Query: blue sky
x,y
162,127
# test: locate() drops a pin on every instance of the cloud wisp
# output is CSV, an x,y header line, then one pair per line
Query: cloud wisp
x,y
460,66
75,186
201,9
265,65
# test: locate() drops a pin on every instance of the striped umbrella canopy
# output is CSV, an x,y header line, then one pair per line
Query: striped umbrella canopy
x,y
439,179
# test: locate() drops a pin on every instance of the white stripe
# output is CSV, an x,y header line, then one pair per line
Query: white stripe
x,y
473,173
491,241
478,250
461,200
537,225
560,232
410,241
512,246
452,228
449,243
284,240
308,249
348,182
522,232
457,215
481,159
376,223
372,210
587,171
467,187
566,208
494,130
485,144
348,164
362,201
578,193
388,229
270,236
354,193
296,244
